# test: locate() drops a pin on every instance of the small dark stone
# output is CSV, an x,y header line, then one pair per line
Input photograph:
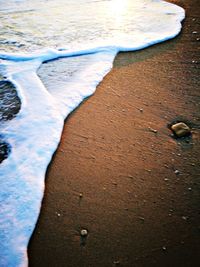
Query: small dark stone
x,y
4,150
9,101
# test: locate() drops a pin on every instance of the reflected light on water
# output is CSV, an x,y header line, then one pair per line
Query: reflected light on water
x,y
118,9
118,6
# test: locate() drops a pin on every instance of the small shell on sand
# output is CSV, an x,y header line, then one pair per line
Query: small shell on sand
x,y
84,232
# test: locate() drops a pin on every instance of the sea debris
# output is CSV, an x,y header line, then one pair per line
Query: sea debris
x,y
181,129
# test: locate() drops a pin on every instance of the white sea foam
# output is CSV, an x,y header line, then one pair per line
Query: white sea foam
x,y
94,31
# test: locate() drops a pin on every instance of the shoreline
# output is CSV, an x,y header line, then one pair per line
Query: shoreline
x,y
118,173
116,178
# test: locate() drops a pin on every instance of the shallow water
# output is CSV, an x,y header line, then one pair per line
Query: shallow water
x,y
83,39
30,25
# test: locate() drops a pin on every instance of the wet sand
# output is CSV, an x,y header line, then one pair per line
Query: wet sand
x,y
114,172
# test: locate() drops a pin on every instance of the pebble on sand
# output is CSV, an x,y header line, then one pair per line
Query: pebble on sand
x,y
180,129
152,130
84,232
177,172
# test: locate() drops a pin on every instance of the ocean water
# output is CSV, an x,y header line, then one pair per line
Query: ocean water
x,y
55,53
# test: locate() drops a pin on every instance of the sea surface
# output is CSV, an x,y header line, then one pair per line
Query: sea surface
x,y
53,54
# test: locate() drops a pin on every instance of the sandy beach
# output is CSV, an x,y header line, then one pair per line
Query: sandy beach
x,y
115,170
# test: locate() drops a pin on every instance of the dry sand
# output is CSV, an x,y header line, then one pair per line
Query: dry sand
x,y
114,176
